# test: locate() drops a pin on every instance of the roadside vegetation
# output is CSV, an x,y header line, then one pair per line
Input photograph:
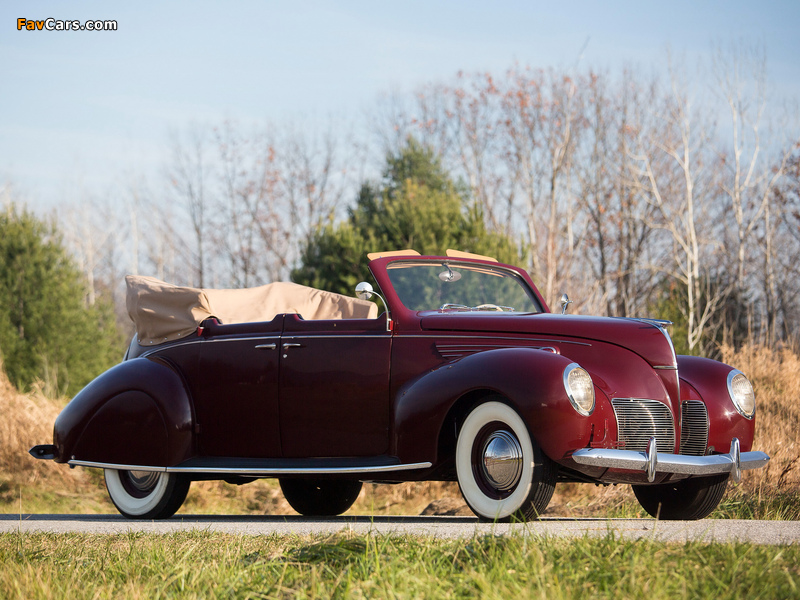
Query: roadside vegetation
x,y
54,332
211,565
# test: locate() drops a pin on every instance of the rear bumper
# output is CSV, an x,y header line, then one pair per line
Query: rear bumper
x,y
653,462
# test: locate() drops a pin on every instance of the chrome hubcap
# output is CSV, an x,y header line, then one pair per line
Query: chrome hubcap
x,y
143,480
502,460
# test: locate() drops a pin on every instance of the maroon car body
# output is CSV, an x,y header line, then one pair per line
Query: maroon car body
x,y
505,400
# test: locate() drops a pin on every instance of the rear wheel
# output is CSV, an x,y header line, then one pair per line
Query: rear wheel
x,y
320,497
146,494
688,499
502,472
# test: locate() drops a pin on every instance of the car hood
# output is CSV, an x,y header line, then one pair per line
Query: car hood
x,y
643,337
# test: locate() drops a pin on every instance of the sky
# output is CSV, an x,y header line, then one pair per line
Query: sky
x,y
86,109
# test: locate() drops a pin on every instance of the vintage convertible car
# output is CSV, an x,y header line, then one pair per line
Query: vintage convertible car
x,y
465,375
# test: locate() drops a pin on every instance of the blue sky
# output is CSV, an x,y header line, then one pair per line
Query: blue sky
x,y
90,108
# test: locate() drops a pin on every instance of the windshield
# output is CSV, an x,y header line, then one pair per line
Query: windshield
x,y
458,287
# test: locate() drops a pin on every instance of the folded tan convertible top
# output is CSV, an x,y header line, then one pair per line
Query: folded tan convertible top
x,y
163,312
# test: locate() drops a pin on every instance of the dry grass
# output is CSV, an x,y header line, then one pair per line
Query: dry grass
x,y
27,421
775,375
32,485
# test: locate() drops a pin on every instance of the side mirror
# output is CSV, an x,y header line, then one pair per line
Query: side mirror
x,y
364,291
565,302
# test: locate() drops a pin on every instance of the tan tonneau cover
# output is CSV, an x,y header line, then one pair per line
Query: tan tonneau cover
x,y
163,312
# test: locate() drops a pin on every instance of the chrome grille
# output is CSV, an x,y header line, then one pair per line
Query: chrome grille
x,y
638,420
694,428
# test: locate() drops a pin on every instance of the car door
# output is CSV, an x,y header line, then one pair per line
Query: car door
x,y
236,390
334,396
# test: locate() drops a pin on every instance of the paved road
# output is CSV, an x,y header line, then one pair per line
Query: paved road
x,y
717,530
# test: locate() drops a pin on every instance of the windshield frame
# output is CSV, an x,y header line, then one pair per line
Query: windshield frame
x,y
381,268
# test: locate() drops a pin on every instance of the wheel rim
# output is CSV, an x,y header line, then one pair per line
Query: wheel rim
x,y
497,461
139,484
136,493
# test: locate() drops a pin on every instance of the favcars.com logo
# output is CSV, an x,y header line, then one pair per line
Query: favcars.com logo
x,y
58,25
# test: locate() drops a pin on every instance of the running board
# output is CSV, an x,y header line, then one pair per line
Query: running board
x,y
264,470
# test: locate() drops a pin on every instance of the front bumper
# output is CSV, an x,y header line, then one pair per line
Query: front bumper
x,y
653,462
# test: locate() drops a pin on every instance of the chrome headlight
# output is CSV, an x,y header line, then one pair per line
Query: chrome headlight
x,y
580,389
742,394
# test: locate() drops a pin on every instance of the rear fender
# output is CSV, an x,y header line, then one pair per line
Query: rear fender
x,y
706,379
136,413
530,380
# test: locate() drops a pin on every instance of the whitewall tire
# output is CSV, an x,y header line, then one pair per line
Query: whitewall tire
x,y
502,472
145,494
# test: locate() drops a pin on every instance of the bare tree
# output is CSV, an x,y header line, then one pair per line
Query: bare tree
x,y
88,228
750,177
617,226
679,177
240,195
619,188
188,176
780,241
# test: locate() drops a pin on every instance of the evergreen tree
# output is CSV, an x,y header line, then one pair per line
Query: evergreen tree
x,y
417,205
47,333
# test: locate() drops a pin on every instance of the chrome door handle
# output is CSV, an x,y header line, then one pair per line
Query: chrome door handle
x,y
288,345
266,347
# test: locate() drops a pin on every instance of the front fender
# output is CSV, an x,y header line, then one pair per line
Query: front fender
x,y
705,379
136,413
530,379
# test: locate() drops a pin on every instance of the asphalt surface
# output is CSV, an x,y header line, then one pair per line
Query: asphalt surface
x,y
707,530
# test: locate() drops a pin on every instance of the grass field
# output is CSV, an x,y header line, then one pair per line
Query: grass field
x,y
31,486
209,565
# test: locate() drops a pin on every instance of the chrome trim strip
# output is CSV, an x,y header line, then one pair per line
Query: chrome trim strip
x,y
197,340
673,463
255,472
471,336
293,335
232,338
460,350
277,335
662,325
665,367
301,471
118,467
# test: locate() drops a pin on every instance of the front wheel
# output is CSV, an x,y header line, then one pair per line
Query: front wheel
x,y
146,494
320,497
684,500
502,472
